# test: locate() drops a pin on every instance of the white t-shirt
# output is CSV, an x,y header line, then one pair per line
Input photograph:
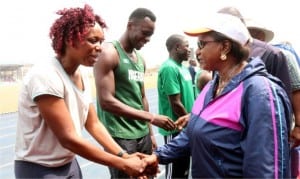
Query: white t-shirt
x,y
35,141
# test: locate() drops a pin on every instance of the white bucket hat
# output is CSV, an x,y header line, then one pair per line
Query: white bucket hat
x,y
251,24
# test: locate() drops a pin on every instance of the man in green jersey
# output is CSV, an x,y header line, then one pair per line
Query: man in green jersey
x,y
119,76
175,95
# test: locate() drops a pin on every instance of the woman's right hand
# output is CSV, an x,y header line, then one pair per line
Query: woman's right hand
x,y
182,121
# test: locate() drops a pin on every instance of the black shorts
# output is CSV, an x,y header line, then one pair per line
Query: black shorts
x,y
142,145
24,169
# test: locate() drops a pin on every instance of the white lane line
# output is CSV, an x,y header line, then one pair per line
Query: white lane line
x,y
161,174
6,165
7,146
8,127
7,135
86,164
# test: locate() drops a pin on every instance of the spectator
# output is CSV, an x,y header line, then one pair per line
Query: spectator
x,y
193,69
264,34
175,95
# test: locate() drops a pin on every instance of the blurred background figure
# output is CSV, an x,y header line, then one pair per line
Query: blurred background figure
x,y
193,69
257,31
201,79
176,95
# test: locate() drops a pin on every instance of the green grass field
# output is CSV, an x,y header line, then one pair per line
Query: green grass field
x,y
9,93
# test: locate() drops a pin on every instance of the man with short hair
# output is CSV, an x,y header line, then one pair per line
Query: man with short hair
x,y
257,31
119,75
175,95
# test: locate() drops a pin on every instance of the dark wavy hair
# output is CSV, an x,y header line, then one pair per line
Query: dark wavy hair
x,y
73,25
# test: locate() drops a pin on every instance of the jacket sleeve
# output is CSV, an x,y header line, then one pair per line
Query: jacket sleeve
x,y
277,65
266,114
176,148
275,61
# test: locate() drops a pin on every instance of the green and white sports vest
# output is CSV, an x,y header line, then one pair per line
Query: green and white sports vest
x,y
129,78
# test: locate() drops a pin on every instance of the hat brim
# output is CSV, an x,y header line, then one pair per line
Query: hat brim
x,y
197,31
269,35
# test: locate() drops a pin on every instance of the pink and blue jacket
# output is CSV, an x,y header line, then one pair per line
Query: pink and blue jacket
x,y
241,133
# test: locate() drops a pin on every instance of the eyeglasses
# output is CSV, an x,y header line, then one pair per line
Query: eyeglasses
x,y
202,43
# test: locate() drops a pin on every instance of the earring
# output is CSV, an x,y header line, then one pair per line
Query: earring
x,y
223,57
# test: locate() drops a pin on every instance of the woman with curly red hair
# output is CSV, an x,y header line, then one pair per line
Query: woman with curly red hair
x,y
55,105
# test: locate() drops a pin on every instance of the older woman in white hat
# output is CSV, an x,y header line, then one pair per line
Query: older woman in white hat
x,y
239,124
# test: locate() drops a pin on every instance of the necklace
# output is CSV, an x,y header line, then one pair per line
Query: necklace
x,y
221,86
223,81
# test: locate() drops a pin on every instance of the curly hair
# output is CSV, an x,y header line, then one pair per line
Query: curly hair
x,y
73,25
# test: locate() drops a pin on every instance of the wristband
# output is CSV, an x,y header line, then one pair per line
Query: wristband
x,y
297,125
121,153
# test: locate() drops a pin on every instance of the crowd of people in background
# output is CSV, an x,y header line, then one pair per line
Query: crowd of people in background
x,y
233,112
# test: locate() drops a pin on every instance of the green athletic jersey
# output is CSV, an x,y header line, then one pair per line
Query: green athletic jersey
x,y
173,78
129,78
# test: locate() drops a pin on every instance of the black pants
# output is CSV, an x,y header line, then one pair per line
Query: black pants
x,y
25,169
142,145
180,167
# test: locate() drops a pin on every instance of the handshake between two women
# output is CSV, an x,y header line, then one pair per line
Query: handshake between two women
x,y
141,165
144,166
